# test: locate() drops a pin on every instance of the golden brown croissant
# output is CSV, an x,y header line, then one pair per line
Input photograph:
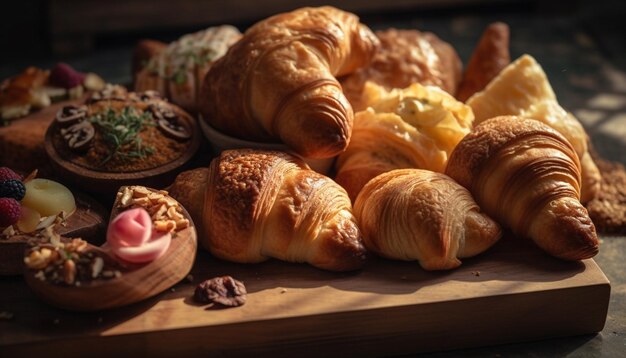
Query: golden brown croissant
x,y
526,176
177,70
406,57
278,82
414,214
254,205
417,127
490,56
522,89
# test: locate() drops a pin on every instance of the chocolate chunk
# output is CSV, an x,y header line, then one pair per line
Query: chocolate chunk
x,y
224,290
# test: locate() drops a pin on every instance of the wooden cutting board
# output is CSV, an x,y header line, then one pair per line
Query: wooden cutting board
x,y
511,293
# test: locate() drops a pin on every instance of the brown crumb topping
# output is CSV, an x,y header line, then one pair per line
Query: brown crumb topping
x,y
608,209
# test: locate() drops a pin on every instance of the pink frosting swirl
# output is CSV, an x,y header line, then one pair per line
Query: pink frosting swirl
x,y
132,238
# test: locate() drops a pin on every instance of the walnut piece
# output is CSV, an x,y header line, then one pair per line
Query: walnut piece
x,y
223,290
166,213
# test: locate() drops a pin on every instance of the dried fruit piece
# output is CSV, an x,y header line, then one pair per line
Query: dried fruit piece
x,y
29,220
9,211
224,290
48,197
12,189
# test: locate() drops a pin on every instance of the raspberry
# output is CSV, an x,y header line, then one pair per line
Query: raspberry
x,y
12,189
63,75
10,211
8,174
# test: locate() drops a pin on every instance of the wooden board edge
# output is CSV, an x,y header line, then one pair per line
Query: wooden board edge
x,y
421,328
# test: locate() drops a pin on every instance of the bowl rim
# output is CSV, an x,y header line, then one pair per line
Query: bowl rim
x,y
82,172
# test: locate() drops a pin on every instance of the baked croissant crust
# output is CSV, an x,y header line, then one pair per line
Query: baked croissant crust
x,y
177,70
254,205
414,214
417,127
278,82
526,176
522,89
406,57
490,56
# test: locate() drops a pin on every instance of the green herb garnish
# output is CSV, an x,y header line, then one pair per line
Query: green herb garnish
x,y
121,132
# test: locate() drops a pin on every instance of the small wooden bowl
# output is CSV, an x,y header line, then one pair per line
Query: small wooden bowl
x,y
108,182
138,283
89,222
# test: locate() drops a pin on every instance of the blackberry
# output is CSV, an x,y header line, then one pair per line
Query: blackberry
x,y
12,189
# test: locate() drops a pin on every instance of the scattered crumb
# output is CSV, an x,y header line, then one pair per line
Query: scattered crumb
x,y
189,278
6,316
173,289
476,273
283,290
608,209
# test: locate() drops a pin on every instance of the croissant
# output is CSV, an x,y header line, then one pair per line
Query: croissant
x,y
277,82
406,57
526,176
255,204
417,127
415,214
177,70
490,56
522,89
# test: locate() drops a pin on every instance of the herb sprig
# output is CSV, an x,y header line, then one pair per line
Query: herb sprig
x,y
121,131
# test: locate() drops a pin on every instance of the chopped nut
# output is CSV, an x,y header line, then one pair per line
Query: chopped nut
x,y
96,267
39,259
165,225
224,290
127,195
160,212
143,202
182,224
140,191
76,245
69,272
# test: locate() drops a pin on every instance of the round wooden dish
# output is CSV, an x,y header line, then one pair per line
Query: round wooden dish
x,y
108,182
89,221
137,282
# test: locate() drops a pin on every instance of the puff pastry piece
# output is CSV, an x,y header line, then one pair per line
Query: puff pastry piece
x,y
414,214
278,83
490,56
177,70
526,176
254,205
522,89
417,127
406,57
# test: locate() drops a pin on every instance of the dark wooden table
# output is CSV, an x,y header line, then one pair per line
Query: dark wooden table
x,y
585,62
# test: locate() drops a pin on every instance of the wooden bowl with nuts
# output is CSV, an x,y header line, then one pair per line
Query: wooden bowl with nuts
x,y
117,138
151,245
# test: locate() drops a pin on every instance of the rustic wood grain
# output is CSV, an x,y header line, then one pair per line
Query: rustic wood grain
x,y
89,222
21,142
136,284
511,293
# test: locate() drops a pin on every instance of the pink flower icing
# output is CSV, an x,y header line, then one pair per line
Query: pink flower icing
x,y
132,238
